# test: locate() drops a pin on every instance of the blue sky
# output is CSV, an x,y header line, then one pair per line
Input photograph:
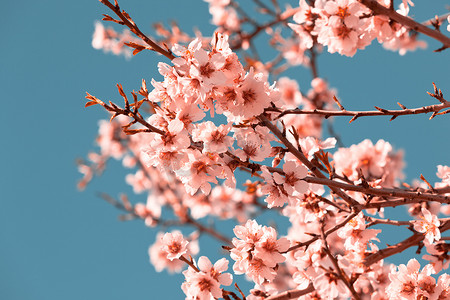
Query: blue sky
x,y
59,243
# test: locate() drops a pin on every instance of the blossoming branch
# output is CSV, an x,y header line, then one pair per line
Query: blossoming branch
x,y
214,115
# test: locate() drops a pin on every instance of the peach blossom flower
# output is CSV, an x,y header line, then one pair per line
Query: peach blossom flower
x,y
158,256
205,284
257,251
214,138
174,244
429,225
292,180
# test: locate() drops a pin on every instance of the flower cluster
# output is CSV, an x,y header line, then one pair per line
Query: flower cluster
x,y
204,283
203,81
213,114
257,251
345,26
409,282
378,163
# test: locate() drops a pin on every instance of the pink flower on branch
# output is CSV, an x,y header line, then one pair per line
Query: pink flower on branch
x,y
257,251
428,225
159,253
174,245
409,282
292,180
199,171
184,162
215,139
205,283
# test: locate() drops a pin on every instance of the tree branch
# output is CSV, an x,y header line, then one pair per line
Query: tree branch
x,y
379,9
436,108
413,240
127,21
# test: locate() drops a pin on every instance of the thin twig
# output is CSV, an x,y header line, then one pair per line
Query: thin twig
x,y
335,263
127,21
357,114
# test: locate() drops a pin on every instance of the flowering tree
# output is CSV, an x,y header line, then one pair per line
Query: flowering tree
x,y
259,126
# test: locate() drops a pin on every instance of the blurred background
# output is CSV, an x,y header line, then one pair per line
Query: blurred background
x,y
59,243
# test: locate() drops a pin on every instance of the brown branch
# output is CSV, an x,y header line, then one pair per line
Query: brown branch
x,y
413,240
291,294
375,221
209,230
392,203
341,274
379,9
398,193
182,258
127,21
313,62
328,232
281,18
202,228
379,112
304,160
113,108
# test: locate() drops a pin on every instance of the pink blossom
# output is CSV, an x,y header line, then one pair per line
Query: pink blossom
x,y
411,283
429,225
214,138
158,256
251,95
276,194
205,284
151,211
311,145
198,172
305,125
225,17
290,93
442,290
294,49
257,251
252,146
292,179
328,283
443,173
176,138
376,162
206,68
356,235
174,244
268,249
404,281
109,40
